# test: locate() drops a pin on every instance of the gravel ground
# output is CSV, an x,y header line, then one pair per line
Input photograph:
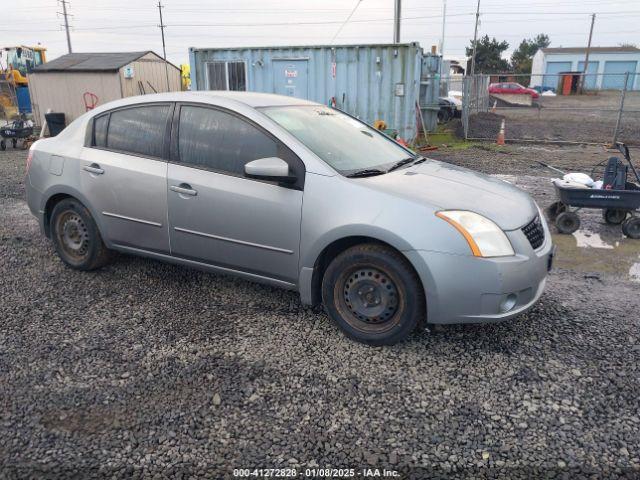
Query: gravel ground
x,y
576,118
150,370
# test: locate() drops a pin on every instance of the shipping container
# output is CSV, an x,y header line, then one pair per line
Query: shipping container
x,y
371,82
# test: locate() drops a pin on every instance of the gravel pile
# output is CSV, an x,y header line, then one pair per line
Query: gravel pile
x,y
147,370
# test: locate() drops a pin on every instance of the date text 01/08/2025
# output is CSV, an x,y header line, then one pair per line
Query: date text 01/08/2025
x,y
316,472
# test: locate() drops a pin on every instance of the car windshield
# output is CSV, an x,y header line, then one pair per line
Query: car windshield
x,y
346,144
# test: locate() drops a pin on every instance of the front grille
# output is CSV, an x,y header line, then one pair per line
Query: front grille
x,y
534,232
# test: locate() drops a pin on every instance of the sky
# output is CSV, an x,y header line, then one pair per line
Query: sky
x,y
132,25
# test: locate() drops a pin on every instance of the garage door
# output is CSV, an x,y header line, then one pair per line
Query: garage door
x,y
590,81
551,80
614,73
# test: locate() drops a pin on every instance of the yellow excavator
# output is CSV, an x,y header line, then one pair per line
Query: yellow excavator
x,y
16,63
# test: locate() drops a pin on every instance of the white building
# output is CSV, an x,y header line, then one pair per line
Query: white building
x,y
606,70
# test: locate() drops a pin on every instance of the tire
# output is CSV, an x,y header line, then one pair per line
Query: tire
x,y
373,294
555,209
443,116
614,216
567,222
631,227
76,237
3,145
14,143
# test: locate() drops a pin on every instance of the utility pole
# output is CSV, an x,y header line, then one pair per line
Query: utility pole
x,y
396,22
164,48
475,41
586,56
444,21
66,23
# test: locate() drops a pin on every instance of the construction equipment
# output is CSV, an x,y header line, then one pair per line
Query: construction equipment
x,y
16,63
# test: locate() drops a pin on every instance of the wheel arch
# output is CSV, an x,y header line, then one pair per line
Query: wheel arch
x,y
56,194
335,248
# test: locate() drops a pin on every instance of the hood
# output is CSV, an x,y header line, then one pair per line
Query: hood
x,y
448,187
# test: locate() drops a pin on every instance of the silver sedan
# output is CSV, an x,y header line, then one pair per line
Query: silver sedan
x,y
294,194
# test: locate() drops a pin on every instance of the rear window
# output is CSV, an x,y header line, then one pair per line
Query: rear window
x,y
138,130
100,125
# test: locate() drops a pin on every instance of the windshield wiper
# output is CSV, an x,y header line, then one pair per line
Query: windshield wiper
x,y
367,172
401,163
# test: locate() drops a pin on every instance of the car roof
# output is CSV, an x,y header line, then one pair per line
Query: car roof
x,y
252,99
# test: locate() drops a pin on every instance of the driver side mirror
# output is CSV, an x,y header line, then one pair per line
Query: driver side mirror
x,y
271,168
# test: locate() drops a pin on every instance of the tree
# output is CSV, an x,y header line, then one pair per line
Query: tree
x,y
522,57
488,55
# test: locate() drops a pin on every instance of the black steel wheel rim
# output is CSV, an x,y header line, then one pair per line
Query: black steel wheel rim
x,y
73,235
371,297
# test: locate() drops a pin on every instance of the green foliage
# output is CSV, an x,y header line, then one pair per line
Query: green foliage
x,y
488,55
522,57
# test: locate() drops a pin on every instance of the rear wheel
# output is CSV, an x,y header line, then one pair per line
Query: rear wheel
x,y
631,227
614,216
555,209
373,294
3,145
14,142
567,222
76,237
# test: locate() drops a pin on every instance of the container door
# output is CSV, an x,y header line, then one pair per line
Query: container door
x,y
614,73
291,78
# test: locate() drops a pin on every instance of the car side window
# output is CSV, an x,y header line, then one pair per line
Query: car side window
x,y
220,141
138,130
100,125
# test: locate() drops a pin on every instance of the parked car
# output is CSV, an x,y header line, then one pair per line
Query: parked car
x,y
294,194
513,89
447,110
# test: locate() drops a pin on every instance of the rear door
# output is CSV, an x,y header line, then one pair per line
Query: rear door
x,y
216,214
124,175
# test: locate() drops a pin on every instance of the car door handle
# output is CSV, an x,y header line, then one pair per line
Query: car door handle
x,y
184,189
93,168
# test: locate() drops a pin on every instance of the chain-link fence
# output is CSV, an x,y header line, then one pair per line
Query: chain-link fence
x,y
555,108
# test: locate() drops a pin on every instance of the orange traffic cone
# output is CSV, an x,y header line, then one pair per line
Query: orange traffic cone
x,y
500,140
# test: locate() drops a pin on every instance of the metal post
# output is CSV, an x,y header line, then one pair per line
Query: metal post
x,y
66,24
616,132
475,41
396,22
586,57
164,48
444,22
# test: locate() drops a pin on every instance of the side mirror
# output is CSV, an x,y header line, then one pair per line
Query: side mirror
x,y
271,168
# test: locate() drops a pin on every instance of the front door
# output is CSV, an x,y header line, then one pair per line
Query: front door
x,y
124,176
216,214
290,77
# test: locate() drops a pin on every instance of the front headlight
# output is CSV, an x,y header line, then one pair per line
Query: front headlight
x,y
484,237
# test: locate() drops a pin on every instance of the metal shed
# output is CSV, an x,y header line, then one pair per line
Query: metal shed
x,y
61,84
372,82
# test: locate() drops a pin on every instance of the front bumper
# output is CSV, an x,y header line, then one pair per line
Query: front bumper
x,y
468,289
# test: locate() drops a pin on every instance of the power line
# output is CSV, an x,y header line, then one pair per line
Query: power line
x,y
358,2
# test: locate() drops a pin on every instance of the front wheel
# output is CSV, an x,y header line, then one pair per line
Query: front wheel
x,y
373,294
567,222
76,237
631,227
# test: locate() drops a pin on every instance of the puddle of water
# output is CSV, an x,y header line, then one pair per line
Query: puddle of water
x,y
588,252
587,239
634,272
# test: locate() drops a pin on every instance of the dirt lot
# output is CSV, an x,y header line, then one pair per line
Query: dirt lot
x,y
150,370
579,118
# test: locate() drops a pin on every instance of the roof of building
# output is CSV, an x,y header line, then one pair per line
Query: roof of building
x,y
92,62
592,50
